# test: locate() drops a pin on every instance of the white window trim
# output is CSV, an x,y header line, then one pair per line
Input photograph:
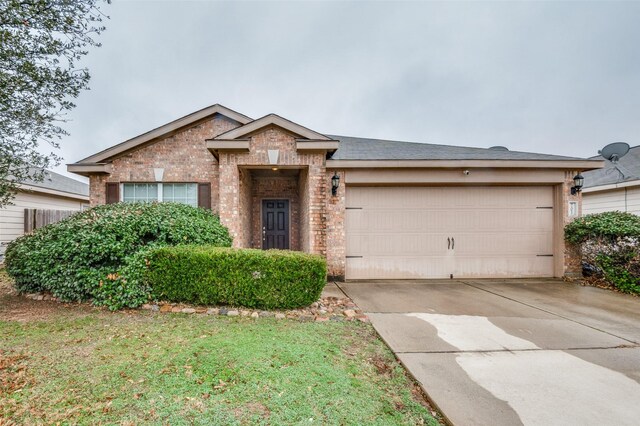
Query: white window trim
x,y
160,189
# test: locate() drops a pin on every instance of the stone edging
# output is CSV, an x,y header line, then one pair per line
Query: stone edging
x,y
325,309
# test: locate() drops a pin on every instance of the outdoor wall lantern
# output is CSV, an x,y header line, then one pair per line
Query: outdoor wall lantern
x,y
578,181
335,183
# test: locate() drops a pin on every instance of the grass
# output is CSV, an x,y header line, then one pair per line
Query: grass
x,y
77,365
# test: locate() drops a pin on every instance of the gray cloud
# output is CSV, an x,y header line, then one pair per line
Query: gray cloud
x,y
559,78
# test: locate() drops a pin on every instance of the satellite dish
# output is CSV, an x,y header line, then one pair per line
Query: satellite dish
x,y
499,148
614,151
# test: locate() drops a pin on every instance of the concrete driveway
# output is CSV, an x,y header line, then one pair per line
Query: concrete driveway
x,y
509,352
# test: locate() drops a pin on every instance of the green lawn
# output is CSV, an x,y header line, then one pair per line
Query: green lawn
x,y
74,364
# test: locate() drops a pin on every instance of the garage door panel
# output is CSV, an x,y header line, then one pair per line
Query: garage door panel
x,y
502,267
503,245
401,232
391,221
405,244
385,267
495,220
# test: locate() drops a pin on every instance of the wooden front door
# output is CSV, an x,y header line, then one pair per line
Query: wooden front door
x,y
275,224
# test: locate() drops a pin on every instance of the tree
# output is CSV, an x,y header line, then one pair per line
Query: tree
x,y
41,42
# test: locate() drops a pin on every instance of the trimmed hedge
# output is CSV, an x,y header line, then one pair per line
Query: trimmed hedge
x,y
99,253
271,279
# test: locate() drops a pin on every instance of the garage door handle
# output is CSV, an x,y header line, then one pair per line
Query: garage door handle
x,y
453,243
448,243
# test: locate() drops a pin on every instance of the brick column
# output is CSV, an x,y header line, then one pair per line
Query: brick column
x,y
336,243
230,198
572,254
317,199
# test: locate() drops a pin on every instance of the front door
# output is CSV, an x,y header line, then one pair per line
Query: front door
x,y
275,224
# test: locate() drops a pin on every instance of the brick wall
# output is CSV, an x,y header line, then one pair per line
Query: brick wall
x,y
303,194
245,211
336,249
572,255
317,218
183,156
260,142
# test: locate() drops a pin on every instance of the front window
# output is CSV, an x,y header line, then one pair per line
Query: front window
x,y
185,193
142,192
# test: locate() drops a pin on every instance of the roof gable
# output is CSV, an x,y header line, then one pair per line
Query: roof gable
x,y
165,130
272,120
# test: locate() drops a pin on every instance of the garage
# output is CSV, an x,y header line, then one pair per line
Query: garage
x,y
395,232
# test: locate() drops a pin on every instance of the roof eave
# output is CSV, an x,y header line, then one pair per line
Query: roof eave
x,y
86,169
50,191
581,165
611,186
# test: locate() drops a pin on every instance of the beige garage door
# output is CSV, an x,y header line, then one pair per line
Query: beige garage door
x,y
435,232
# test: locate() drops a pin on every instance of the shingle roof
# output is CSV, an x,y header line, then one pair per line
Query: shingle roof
x,y
629,165
352,148
61,183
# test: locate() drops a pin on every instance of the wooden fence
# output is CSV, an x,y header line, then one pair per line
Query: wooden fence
x,y
37,218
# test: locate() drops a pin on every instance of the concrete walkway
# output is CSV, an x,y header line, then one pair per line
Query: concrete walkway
x,y
533,352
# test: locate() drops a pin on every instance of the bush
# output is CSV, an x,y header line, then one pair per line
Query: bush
x,y
99,253
609,245
270,279
609,226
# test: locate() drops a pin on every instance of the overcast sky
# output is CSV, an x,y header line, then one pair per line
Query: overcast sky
x,y
560,78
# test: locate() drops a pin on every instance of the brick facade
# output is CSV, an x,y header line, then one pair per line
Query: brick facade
x,y
241,180
245,211
336,242
572,255
311,198
183,156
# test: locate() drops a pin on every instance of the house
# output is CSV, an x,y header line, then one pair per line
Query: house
x,y
615,187
57,194
377,209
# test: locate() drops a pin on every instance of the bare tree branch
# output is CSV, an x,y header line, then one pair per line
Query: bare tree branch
x,y
40,43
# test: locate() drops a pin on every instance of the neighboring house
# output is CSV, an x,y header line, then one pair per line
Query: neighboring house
x,y
55,192
399,209
613,188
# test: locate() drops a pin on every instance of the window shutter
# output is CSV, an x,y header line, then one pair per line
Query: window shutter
x,y
204,195
113,193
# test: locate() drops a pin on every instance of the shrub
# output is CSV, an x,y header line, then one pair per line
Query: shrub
x,y
609,226
609,245
271,279
97,254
